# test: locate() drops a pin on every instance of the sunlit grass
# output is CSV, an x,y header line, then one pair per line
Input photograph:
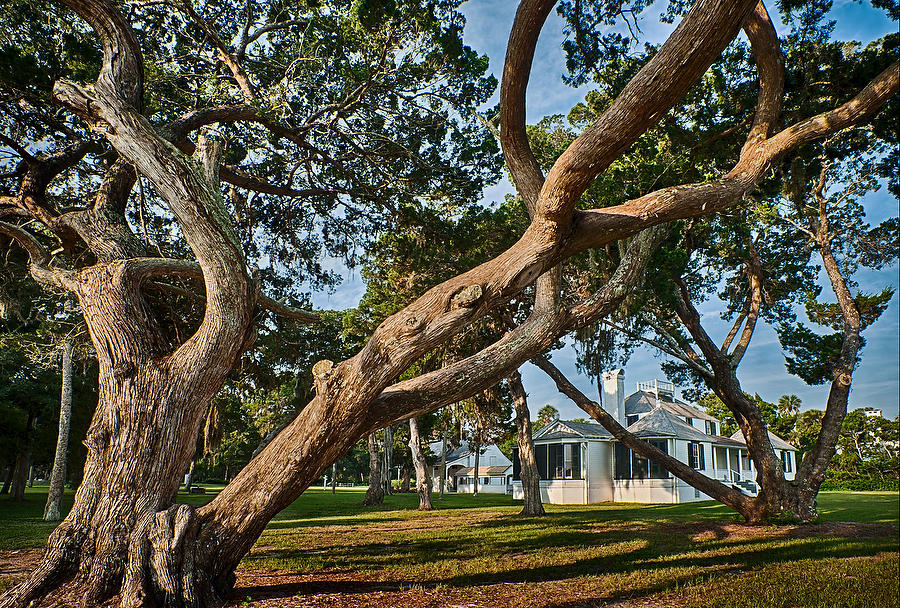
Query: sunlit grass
x,y
477,549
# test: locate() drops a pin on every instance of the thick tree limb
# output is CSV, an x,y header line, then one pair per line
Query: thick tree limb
x,y
769,66
651,93
545,325
195,202
593,227
41,269
526,28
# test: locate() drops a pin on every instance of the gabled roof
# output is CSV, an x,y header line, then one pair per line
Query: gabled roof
x,y
777,442
662,423
643,402
452,453
495,470
569,429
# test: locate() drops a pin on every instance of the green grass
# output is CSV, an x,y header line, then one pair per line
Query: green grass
x,y
471,549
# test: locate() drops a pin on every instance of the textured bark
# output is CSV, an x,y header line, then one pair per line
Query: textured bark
x,y
375,492
58,476
22,463
7,480
423,482
387,454
443,462
531,484
20,475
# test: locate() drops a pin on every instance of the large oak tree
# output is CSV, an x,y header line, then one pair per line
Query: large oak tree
x,y
125,536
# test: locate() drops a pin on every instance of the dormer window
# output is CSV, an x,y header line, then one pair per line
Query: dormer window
x,y
711,428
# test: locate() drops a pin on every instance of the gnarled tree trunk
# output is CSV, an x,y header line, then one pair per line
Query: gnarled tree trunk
x,y
423,482
528,473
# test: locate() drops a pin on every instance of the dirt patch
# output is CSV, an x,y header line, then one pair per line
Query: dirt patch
x,y
16,564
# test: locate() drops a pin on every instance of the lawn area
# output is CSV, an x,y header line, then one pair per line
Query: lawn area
x,y
328,550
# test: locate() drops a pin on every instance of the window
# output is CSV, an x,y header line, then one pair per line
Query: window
x,y
711,427
623,461
745,461
629,420
640,467
517,465
630,465
485,481
689,420
786,461
657,471
576,460
557,463
554,461
696,455
540,455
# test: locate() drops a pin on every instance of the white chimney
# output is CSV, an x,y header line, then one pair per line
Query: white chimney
x,y
614,394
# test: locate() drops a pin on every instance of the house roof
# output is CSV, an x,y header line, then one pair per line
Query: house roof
x,y
496,470
643,402
452,453
660,422
777,442
569,429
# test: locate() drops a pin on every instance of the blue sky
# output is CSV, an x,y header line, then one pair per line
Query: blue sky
x,y
876,382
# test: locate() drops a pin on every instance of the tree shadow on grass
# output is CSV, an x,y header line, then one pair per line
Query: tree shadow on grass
x,y
662,555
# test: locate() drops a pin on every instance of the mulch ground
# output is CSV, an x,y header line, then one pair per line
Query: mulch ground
x,y
283,589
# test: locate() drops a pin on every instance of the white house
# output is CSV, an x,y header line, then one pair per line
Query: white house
x,y
581,463
494,469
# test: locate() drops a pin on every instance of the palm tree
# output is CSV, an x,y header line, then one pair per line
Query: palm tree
x,y
789,405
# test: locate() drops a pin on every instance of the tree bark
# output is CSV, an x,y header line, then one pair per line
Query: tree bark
x,y
7,481
531,483
20,475
22,463
423,483
189,477
476,441
58,476
443,462
405,478
375,492
388,455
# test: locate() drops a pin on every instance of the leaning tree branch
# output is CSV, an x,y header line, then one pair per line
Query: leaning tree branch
x,y
766,51
754,271
680,202
40,259
547,323
524,168
645,99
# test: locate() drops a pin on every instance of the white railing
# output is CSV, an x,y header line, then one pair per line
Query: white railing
x,y
657,386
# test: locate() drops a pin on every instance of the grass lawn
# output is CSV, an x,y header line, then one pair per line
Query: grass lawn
x,y
328,550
